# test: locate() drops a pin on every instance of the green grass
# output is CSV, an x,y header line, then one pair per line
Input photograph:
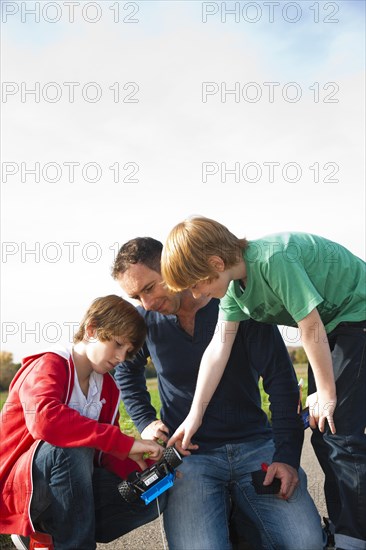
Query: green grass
x,y
301,372
127,426
3,396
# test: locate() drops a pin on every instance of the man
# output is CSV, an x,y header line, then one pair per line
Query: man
x,y
235,437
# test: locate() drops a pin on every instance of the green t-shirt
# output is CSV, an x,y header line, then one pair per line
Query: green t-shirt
x,y
289,274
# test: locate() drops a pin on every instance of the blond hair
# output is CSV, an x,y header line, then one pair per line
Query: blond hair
x,y
113,317
188,248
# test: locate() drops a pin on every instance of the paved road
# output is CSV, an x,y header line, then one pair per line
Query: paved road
x,y
149,537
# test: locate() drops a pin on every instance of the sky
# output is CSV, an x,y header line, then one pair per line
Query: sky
x,y
120,119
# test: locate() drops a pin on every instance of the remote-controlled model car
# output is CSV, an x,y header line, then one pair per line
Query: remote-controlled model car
x,y
153,481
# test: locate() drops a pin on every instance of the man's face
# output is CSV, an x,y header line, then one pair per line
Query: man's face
x,y
146,286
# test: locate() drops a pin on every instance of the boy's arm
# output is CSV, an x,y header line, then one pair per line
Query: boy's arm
x,y
300,297
317,349
212,367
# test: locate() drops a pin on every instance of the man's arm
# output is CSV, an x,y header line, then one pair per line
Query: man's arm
x,y
212,367
270,358
130,377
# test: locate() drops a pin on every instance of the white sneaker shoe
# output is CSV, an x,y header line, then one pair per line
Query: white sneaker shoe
x,y
20,542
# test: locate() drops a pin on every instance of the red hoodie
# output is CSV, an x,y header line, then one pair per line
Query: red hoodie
x,y
36,410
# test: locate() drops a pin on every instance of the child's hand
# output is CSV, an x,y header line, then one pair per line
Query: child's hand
x,y
141,447
182,451
321,408
182,436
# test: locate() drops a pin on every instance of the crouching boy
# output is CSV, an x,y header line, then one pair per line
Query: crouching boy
x,y
62,451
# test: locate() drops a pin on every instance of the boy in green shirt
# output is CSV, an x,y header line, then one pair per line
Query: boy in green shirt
x,y
299,280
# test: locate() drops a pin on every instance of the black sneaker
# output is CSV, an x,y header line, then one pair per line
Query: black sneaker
x,y
329,531
20,542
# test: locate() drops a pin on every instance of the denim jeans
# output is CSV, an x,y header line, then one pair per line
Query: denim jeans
x,y
79,505
343,456
199,504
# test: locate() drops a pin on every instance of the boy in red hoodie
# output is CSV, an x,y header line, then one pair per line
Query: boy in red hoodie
x,y
62,451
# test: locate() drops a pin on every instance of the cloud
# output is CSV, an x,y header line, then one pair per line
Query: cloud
x,y
167,135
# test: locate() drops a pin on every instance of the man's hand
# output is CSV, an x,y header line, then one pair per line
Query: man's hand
x,y
182,435
141,447
321,408
288,476
156,431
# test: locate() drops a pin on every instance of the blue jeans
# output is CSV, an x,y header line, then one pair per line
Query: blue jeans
x,y
79,505
343,456
199,504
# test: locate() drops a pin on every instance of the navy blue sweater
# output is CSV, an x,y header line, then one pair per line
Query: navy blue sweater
x,y
234,413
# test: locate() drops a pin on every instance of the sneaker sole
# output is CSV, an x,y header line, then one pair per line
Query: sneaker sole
x,y
18,542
